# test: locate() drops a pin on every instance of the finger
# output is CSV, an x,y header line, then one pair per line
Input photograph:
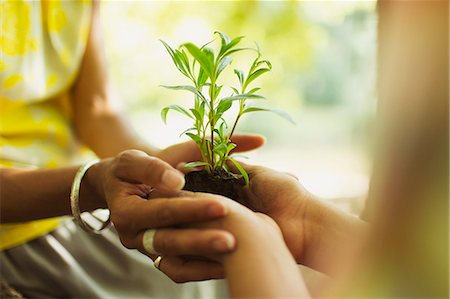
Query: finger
x,y
247,142
155,194
140,214
170,241
292,175
137,167
181,269
183,152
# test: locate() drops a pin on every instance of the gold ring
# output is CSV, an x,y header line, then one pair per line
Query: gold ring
x,y
157,262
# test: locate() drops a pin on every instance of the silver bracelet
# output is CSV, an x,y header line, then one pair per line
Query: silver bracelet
x,y
75,198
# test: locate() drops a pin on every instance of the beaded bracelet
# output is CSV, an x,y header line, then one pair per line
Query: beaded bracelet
x,y
74,200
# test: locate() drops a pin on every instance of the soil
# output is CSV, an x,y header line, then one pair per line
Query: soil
x,y
222,183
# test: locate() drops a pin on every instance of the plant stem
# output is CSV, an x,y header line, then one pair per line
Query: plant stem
x,y
234,125
211,120
241,108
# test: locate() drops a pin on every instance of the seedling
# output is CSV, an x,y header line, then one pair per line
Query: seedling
x,y
203,66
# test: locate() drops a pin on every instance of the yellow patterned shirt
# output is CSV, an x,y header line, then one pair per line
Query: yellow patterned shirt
x,y
41,47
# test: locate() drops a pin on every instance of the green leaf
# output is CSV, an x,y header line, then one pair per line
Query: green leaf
x,y
210,55
201,57
221,128
219,139
241,170
194,164
234,90
197,114
207,44
205,147
280,113
228,44
223,106
255,75
188,88
168,48
225,39
202,77
254,90
217,90
221,149
178,108
231,51
244,96
223,63
231,147
177,60
194,137
201,109
240,75
183,58
217,117
267,62
254,109
187,130
234,42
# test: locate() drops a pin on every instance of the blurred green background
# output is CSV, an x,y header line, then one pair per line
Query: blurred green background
x,y
324,63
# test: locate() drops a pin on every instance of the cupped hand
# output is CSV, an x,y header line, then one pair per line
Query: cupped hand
x,y
280,196
318,235
125,183
240,221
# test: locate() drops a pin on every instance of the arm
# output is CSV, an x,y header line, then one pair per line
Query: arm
x,y
97,124
122,184
35,194
318,234
260,266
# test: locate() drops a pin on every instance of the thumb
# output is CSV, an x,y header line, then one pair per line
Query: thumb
x,y
247,142
137,167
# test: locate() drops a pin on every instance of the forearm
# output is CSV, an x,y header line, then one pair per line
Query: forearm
x,y
27,195
97,123
108,134
331,236
262,266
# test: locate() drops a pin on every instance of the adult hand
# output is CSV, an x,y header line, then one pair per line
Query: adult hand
x,y
316,233
244,224
276,194
188,151
125,183
280,196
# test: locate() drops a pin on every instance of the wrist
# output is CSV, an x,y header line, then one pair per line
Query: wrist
x,y
251,231
330,235
92,195
261,259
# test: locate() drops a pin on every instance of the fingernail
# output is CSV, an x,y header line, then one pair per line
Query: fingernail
x,y
224,244
216,210
172,180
